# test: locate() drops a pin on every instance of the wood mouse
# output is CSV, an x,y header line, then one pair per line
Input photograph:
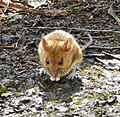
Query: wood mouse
x,y
59,53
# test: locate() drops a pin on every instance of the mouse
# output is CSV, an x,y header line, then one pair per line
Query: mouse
x,y
59,52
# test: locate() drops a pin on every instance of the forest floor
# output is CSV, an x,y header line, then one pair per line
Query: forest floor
x,y
95,92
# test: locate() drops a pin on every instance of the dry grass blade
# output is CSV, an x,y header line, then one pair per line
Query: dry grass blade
x,y
7,5
18,7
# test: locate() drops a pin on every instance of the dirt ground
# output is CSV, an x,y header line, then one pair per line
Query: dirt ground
x,y
24,92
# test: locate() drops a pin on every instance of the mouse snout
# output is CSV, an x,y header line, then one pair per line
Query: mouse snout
x,y
54,73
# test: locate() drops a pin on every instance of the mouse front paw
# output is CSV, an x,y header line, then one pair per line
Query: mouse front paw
x,y
42,71
73,74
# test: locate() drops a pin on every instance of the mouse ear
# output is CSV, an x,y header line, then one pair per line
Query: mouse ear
x,y
67,45
44,43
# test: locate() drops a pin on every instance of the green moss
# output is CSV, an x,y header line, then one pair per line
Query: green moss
x,y
45,108
81,87
53,100
104,95
11,84
84,70
90,95
99,64
67,98
55,112
71,97
77,102
95,73
71,111
16,93
3,90
116,104
118,92
34,114
114,44
8,85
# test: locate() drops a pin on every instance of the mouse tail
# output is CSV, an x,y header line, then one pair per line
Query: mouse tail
x,y
88,44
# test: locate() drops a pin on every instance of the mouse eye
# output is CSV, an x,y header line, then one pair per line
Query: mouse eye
x,y
60,62
47,61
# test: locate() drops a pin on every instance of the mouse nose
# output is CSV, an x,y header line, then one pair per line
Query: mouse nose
x,y
54,73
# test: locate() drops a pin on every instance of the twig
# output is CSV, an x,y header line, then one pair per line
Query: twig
x,y
103,55
6,51
101,61
100,47
98,37
94,55
9,47
109,64
72,29
111,55
92,30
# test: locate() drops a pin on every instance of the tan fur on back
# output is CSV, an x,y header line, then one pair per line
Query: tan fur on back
x,y
58,35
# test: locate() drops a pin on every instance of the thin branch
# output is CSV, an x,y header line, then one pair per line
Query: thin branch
x,y
100,47
9,47
94,55
67,28
99,37
103,55
111,55
72,29
100,60
92,30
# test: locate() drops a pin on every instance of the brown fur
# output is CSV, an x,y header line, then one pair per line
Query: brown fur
x,y
56,46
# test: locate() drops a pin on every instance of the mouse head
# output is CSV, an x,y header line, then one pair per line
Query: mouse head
x,y
56,56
